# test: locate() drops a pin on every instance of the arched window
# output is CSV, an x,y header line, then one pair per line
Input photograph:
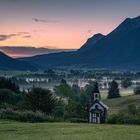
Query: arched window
x,y
96,96
96,106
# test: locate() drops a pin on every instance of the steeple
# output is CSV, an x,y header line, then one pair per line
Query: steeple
x,y
96,93
96,89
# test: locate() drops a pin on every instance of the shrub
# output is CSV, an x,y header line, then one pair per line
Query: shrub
x,y
6,105
112,119
129,116
24,116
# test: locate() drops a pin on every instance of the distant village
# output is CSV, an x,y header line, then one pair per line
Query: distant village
x,y
50,78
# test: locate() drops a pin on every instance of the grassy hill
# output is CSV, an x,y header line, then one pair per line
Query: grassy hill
x,y
121,103
66,131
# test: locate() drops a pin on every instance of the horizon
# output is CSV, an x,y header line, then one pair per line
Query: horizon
x,y
60,25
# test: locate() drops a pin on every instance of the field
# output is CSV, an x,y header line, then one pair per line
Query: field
x,y
123,92
66,131
121,103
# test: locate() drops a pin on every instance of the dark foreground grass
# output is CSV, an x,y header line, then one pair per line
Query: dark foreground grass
x,y
66,131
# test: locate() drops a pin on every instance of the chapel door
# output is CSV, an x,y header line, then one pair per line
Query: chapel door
x,y
96,118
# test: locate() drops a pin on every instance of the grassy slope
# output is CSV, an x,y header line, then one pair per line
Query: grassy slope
x,y
66,131
123,92
121,103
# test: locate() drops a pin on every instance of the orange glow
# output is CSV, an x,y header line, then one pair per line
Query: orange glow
x,y
60,35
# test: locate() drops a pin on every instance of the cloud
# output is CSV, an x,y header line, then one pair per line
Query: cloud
x,y
44,21
4,37
27,36
21,33
90,31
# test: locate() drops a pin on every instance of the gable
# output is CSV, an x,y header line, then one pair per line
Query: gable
x,y
97,106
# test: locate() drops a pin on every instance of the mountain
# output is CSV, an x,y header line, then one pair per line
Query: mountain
x,y
120,49
25,51
8,63
91,42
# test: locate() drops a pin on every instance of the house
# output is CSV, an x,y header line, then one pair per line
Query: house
x,y
98,110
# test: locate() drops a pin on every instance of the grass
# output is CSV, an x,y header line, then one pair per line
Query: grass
x,y
117,104
10,130
121,103
123,92
66,131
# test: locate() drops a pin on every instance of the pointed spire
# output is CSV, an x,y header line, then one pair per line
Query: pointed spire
x,y
96,89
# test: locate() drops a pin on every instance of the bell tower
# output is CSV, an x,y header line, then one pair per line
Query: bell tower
x,y
96,93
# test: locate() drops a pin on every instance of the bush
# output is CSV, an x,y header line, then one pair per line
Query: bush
x,y
129,116
5,106
112,119
24,116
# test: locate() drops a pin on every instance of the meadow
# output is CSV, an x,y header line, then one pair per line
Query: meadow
x,y
117,104
123,92
66,131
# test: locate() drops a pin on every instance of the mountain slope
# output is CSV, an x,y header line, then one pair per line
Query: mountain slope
x,y
91,42
25,51
118,50
8,63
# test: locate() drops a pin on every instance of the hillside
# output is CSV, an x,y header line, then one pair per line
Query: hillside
x,y
121,103
8,63
118,50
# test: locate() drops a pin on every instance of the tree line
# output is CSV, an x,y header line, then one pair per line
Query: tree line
x,y
65,103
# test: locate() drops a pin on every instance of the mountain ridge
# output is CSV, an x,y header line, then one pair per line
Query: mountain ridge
x,y
119,50
8,63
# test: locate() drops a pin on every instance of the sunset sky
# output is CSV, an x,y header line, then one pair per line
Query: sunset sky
x,y
60,23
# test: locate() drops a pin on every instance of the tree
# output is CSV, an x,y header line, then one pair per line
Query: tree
x,y
113,91
9,97
137,90
90,89
40,99
50,73
71,109
8,84
86,99
126,83
64,90
63,81
59,110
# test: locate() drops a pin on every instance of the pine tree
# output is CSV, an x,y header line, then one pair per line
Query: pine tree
x,y
113,90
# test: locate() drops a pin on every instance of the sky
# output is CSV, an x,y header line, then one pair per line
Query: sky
x,y
64,24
